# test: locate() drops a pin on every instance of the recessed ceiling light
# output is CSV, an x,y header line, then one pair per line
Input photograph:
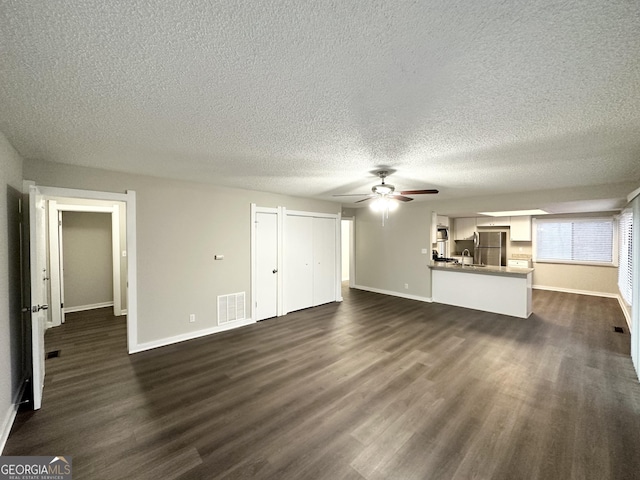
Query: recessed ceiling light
x,y
514,213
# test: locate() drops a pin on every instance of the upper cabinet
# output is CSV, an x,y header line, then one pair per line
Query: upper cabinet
x,y
464,228
493,221
521,228
442,220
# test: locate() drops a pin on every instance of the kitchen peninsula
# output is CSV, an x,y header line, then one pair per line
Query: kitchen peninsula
x,y
504,290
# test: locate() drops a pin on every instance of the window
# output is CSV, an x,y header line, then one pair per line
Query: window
x,y
575,240
625,238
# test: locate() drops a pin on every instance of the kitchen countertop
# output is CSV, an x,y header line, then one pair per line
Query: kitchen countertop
x,y
485,270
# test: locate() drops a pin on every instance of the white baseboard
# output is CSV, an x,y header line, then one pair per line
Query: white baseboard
x,y
141,347
394,294
627,313
10,416
123,311
82,308
577,292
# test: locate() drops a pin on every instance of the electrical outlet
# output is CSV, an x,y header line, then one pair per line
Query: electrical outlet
x,y
406,286
424,251
192,318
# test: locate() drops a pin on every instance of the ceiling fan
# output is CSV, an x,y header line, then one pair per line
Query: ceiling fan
x,y
387,191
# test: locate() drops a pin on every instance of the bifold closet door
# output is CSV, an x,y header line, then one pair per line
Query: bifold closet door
x,y
324,260
298,258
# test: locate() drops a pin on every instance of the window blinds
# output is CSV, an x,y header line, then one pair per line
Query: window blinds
x,y
575,240
625,239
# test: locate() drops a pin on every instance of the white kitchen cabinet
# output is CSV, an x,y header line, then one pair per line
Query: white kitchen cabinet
x,y
464,228
309,261
493,221
442,220
521,228
518,263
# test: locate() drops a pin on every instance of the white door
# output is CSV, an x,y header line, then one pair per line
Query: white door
x,y
324,260
39,278
266,265
298,254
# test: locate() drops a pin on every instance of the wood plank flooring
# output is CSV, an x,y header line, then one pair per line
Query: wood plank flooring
x,y
375,387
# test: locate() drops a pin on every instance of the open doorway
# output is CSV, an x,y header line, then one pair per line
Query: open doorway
x,y
348,251
37,279
87,256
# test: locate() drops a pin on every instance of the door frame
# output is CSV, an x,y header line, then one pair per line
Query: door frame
x,y
338,244
281,213
352,249
129,199
254,257
56,258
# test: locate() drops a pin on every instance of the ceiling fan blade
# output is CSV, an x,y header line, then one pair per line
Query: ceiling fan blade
x,y
352,195
364,200
417,192
401,198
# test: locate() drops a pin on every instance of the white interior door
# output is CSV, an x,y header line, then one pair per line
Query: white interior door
x,y
324,260
298,253
266,265
39,278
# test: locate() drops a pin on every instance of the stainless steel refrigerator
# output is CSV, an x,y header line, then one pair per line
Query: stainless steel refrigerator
x,y
490,248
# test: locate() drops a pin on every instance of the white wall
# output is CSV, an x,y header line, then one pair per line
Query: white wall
x,y
589,279
88,262
180,227
389,257
11,335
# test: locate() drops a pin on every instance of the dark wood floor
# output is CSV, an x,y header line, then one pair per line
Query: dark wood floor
x,y
373,388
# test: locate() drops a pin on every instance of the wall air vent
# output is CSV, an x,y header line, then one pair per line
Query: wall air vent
x,y
230,308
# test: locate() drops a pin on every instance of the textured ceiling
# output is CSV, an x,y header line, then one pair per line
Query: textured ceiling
x,y
307,98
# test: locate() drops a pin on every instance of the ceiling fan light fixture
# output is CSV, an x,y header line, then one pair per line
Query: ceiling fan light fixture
x,y
383,189
384,204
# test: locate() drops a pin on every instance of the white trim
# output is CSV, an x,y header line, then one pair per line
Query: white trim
x,y
301,213
115,259
625,310
633,195
84,208
82,308
252,308
132,273
352,251
394,294
282,243
191,335
129,199
124,311
10,416
54,265
577,292
56,260
280,216
338,257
